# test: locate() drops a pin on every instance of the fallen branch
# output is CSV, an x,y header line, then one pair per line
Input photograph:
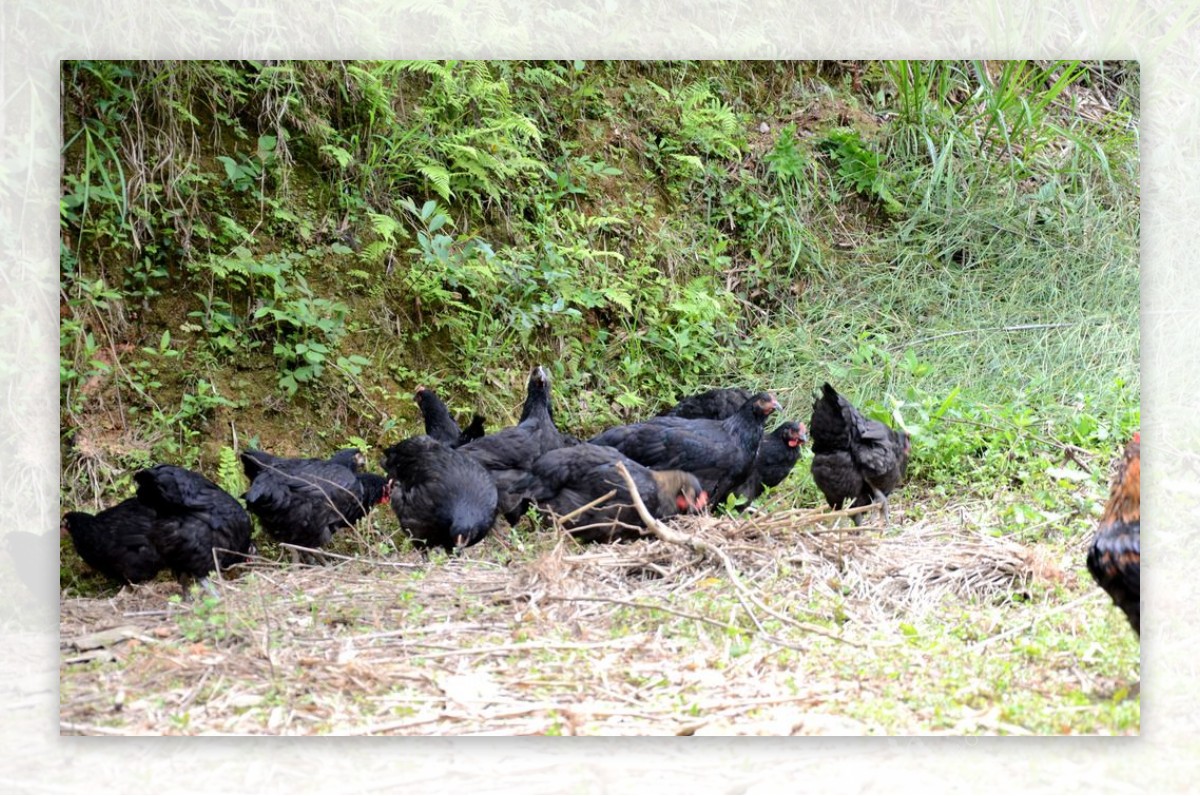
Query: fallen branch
x,y
1026,627
523,646
370,561
563,520
666,534
1022,327
666,609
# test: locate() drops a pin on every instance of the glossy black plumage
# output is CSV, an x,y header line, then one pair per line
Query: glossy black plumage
x,y
1114,556
117,542
715,404
569,478
440,425
195,517
854,458
476,429
305,501
777,456
442,497
350,458
720,453
508,453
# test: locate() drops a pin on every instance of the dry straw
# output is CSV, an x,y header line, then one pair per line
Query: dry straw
x,y
687,631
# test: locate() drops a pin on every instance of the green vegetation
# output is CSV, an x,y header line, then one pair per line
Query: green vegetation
x,y
955,243
278,252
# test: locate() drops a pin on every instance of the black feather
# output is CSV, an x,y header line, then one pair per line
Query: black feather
x,y
854,458
442,497
720,453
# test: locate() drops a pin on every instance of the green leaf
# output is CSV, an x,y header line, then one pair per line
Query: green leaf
x,y
630,400
439,178
232,170
941,410
690,160
342,157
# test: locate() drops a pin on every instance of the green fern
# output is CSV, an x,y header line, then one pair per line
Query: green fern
x,y
439,178
707,123
431,68
464,138
229,471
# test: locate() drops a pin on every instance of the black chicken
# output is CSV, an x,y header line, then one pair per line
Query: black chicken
x,y
442,497
508,453
350,458
715,404
195,520
1114,558
117,542
567,479
440,425
720,453
777,455
854,457
305,501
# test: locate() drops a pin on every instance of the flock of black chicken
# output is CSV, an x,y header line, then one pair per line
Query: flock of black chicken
x,y
448,486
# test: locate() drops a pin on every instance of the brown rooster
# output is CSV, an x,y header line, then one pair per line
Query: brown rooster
x,y
1114,558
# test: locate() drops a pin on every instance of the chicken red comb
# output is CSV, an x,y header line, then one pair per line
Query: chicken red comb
x,y
1137,437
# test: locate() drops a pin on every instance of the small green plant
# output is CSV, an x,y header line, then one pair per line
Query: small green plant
x,y
860,168
786,163
306,328
246,174
707,124
230,474
206,621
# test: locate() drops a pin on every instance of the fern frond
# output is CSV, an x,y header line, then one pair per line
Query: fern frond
x,y
439,178
229,471
386,227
